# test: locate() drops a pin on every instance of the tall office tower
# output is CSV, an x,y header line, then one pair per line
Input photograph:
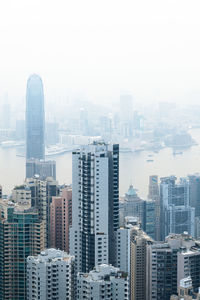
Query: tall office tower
x,y
139,242
95,205
155,196
194,183
35,118
50,276
123,244
133,206
177,216
21,235
185,291
61,219
150,218
40,167
104,282
126,115
194,190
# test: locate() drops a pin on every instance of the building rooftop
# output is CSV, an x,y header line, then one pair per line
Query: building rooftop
x,y
104,272
51,255
131,191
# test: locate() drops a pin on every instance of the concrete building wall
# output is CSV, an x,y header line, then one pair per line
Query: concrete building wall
x,y
50,275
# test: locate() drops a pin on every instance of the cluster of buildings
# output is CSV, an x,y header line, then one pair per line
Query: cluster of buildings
x,y
82,242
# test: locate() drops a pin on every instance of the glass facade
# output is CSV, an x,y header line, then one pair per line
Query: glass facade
x,y
35,119
21,235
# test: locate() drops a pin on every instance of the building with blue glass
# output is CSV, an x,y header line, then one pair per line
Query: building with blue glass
x,y
35,118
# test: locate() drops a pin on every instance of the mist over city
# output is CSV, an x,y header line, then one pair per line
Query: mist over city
x,y
99,150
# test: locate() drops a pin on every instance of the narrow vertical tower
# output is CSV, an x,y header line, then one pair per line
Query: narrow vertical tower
x,y
95,205
35,119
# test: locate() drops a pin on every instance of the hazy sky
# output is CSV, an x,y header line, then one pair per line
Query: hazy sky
x,y
99,48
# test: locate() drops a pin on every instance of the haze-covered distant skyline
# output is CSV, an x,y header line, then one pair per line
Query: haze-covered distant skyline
x,y
99,49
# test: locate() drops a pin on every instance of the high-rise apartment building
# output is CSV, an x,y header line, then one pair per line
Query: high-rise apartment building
x,y
104,282
162,271
188,262
52,190
42,192
95,205
22,233
177,215
61,219
40,167
35,118
38,196
124,244
50,276
171,261
138,269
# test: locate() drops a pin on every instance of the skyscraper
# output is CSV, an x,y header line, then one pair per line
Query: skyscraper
x,y
41,197
177,215
124,235
133,206
21,235
35,119
95,205
161,270
154,195
170,262
61,219
139,242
